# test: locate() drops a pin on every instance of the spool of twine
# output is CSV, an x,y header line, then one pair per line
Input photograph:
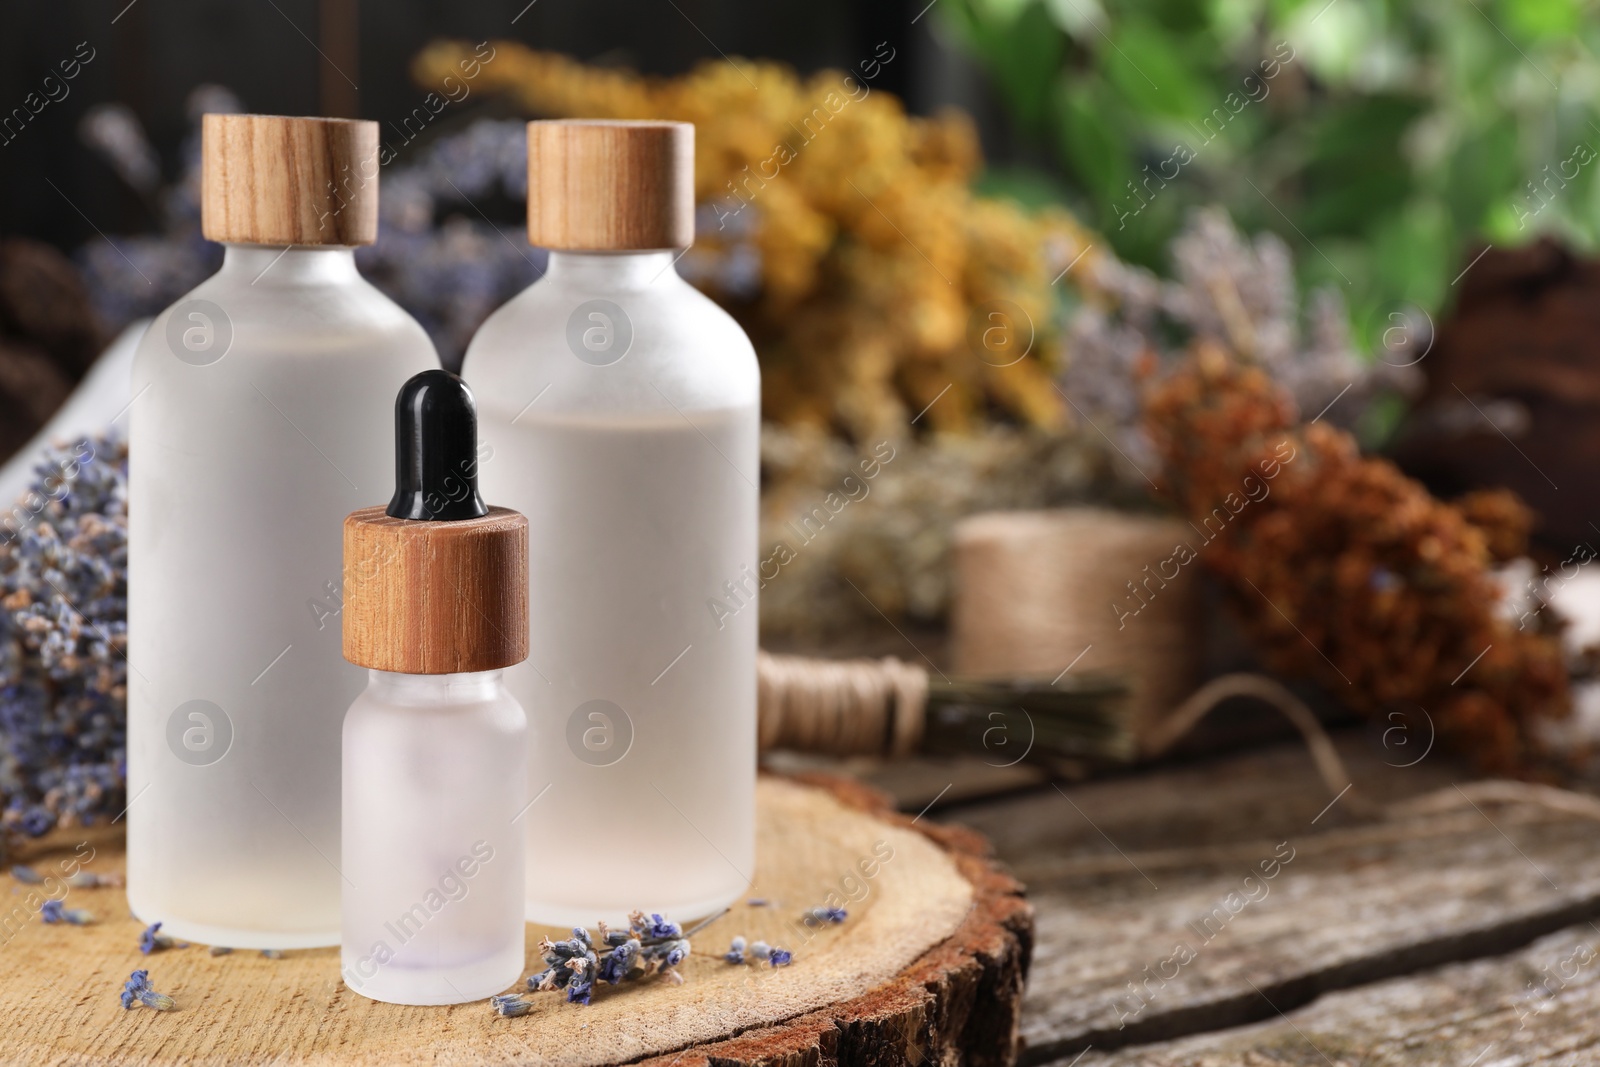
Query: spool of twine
x,y
840,707
1037,592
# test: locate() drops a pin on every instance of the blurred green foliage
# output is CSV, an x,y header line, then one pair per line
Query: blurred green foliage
x,y
1384,140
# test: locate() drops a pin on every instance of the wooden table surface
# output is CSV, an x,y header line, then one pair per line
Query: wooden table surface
x,y
1224,912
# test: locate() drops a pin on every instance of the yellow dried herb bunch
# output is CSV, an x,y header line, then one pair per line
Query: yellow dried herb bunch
x,y
844,236
1349,573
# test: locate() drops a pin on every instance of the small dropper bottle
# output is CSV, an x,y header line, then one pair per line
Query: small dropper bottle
x,y
435,749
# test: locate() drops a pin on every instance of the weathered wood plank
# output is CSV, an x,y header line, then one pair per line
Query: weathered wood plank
x,y
1251,795
1182,901
1535,1006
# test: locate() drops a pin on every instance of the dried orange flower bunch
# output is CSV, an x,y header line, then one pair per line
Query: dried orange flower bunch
x,y
843,235
1347,572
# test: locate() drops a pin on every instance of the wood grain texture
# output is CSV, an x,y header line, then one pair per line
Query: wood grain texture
x,y
276,180
1533,1008
928,968
435,597
1123,872
610,186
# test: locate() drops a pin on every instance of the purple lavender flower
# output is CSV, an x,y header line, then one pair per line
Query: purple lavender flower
x,y
138,988
614,968
153,939
549,978
780,957
735,953
676,951
656,928
819,916
52,911
581,986
63,560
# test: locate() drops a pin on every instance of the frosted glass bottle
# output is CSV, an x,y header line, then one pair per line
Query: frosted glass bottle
x,y
261,415
620,409
435,771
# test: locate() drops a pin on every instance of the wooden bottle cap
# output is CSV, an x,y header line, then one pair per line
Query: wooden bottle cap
x,y
272,180
425,597
610,186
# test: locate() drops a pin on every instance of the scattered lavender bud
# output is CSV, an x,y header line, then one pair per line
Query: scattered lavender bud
x,y
220,950
91,880
153,940
819,916
510,1005
272,953
138,988
52,911
26,875
758,902
742,952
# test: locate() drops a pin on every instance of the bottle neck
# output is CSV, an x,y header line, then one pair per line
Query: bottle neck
x,y
435,689
612,270
276,265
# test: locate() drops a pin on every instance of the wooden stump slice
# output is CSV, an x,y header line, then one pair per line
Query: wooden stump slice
x,y
928,968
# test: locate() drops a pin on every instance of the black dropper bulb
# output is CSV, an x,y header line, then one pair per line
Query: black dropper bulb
x,y
436,450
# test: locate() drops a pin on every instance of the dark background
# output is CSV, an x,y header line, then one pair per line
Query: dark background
x,y
285,57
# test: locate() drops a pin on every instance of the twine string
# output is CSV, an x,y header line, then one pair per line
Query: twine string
x,y
867,707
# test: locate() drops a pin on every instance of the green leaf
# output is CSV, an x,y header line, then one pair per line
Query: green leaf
x,y
1030,48
1537,19
1094,150
1150,71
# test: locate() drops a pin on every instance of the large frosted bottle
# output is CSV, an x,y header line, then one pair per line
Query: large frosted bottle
x,y
261,416
620,411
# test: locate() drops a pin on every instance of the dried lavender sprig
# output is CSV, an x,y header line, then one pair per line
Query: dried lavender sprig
x,y
26,875
652,944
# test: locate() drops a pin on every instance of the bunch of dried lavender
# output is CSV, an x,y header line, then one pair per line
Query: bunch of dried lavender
x,y
436,255
1237,292
63,633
